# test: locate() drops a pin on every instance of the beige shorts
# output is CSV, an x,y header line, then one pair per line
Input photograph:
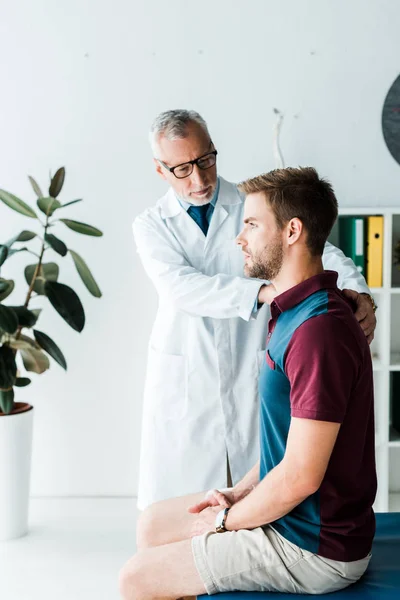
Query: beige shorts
x,y
261,560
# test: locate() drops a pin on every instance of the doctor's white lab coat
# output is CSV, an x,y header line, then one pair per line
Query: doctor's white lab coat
x,y
206,348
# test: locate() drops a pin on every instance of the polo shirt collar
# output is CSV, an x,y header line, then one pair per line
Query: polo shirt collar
x,y
301,291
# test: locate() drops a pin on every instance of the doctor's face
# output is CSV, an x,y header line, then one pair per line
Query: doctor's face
x,y
261,239
199,187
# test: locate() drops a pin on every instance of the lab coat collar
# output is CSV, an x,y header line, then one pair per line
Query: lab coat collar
x,y
170,206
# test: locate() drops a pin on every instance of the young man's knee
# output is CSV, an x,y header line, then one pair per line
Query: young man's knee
x,y
131,580
147,527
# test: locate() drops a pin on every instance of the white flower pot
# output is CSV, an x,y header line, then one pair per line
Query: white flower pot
x,y
15,468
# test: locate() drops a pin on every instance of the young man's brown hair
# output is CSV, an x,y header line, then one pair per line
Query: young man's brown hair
x,y
298,192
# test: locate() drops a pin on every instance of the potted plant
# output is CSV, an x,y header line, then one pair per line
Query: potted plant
x,y
23,346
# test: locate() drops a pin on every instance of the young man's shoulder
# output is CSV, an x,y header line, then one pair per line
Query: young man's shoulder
x,y
331,324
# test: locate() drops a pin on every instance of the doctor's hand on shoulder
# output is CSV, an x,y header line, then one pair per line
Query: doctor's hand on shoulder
x,y
266,294
365,312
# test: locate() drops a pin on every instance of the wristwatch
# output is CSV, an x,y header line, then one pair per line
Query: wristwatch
x,y
220,520
370,298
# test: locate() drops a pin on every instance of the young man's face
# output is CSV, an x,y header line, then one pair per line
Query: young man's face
x,y
199,187
261,240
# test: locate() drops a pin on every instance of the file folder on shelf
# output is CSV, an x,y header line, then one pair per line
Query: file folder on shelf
x,y
352,240
395,401
374,251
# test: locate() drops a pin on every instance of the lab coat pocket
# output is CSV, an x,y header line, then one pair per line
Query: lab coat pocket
x,y
167,385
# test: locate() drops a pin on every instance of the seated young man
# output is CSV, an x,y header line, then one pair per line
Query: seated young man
x,y
301,520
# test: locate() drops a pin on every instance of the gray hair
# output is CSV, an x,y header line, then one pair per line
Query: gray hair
x,y
173,125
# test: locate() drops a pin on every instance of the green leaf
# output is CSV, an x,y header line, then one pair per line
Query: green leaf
x,y
13,251
22,381
72,202
36,312
85,274
36,187
26,318
82,227
8,367
3,254
17,204
8,319
35,361
19,344
38,286
24,236
48,271
6,288
57,183
23,343
7,401
33,343
48,205
50,347
56,244
66,302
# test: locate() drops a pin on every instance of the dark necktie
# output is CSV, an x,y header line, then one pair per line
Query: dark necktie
x,y
199,214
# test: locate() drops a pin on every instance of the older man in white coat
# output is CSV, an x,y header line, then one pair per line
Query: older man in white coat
x,y
209,336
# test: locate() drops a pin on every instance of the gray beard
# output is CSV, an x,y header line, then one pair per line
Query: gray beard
x,y
206,200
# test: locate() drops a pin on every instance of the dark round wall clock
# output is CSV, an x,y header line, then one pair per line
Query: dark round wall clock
x,y
391,120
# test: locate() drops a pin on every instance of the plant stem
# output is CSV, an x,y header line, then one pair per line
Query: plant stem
x,y
35,274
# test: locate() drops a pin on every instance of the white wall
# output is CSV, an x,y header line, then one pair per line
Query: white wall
x,y
81,82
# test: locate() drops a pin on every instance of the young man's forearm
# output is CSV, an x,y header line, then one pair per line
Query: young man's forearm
x,y
248,483
275,496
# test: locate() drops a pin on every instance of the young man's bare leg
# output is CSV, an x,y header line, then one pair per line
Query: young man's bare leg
x,y
166,521
163,572
169,521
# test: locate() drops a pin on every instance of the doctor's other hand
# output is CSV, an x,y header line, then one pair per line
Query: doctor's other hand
x,y
266,294
212,498
364,314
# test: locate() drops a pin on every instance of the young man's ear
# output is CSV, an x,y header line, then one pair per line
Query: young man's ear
x,y
295,228
159,169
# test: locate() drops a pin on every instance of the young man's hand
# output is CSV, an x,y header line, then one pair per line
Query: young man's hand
x,y
364,314
221,499
205,521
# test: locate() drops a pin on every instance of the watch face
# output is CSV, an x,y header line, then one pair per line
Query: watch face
x,y
220,521
391,120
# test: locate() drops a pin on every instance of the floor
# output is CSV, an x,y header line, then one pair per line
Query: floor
x,y
74,550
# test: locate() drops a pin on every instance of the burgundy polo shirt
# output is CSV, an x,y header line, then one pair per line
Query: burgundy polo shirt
x,y
318,366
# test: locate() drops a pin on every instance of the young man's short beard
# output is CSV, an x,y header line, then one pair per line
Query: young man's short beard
x,y
268,264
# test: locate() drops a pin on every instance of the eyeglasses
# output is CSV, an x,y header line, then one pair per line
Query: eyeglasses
x,y
185,169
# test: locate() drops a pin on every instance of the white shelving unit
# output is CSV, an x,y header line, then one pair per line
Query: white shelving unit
x,y
386,358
